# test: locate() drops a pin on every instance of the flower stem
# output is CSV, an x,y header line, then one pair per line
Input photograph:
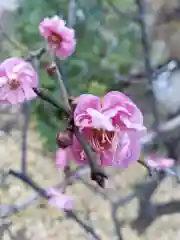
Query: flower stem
x,y
63,90
29,182
97,173
43,94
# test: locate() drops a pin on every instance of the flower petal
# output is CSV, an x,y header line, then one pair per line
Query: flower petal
x,y
62,157
106,158
59,200
78,154
157,161
85,101
99,121
114,98
114,102
128,151
12,96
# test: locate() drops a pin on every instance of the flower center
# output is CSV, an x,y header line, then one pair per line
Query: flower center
x,y
55,38
14,83
101,140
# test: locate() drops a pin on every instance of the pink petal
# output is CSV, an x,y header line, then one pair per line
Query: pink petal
x,y
3,93
59,200
152,163
114,98
20,95
79,156
68,34
106,158
128,151
85,101
49,25
166,162
63,156
12,97
140,129
99,121
157,161
65,50
118,102
3,81
28,92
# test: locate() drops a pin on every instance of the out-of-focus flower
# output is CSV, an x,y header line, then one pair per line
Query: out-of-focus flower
x,y
59,37
17,80
112,126
59,200
159,162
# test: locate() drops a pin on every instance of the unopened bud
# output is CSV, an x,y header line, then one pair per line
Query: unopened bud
x,y
50,69
64,139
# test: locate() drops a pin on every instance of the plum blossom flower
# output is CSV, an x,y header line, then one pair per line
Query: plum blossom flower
x,y
59,200
17,79
113,126
156,161
59,37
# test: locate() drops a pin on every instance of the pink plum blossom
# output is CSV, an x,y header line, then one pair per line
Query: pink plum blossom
x,y
159,162
59,200
59,37
113,126
17,78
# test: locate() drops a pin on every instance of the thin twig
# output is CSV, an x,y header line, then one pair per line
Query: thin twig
x,y
29,182
44,95
87,228
97,173
13,42
36,54
26,120
64,94
19,207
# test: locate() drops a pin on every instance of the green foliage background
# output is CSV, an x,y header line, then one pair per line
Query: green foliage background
x,y
107,43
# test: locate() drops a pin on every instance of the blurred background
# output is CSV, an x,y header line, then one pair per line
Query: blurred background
x,y
125,45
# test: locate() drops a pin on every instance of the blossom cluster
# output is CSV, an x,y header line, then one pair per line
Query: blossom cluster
x,y
113,125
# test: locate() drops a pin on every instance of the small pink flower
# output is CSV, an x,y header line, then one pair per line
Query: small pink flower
x,y
59,200
112,126
159,162
59,37
17,78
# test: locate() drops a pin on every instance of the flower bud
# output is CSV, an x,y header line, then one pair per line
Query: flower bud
x,y
64,139
50,69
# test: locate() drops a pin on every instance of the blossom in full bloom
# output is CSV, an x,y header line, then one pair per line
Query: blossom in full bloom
x,y
113,126
59,37
59,200
17,79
